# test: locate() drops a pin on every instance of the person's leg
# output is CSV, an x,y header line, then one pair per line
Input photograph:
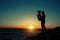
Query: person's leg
x,y
42,26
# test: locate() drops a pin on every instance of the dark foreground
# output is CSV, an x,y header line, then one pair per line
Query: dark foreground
x,y
52,34
12,34
19,34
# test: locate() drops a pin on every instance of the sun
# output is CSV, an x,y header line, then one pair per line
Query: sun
x,y
31,27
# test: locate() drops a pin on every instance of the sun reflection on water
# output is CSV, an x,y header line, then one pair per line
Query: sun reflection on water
x,y
32,31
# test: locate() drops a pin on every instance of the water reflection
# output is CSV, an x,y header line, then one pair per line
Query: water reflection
x,y
32,32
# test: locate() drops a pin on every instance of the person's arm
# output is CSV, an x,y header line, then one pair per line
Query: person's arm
x,y
39,17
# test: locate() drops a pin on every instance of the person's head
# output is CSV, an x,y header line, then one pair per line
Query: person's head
x,y
43,13
39,11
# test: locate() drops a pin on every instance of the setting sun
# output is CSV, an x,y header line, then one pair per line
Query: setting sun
x,y
31,27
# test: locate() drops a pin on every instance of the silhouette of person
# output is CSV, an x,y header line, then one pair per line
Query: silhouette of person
x,y
43,21
41,17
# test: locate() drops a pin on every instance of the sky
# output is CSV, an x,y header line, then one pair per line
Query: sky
x,y
23,12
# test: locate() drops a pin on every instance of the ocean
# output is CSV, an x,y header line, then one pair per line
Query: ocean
x,y
16,33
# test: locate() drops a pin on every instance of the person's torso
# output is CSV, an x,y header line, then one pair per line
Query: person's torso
x,y
43,18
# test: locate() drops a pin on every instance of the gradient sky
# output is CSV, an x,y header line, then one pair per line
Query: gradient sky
x,y
23,12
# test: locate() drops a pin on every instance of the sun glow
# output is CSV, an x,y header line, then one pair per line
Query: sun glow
x,y
31,30
31,27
